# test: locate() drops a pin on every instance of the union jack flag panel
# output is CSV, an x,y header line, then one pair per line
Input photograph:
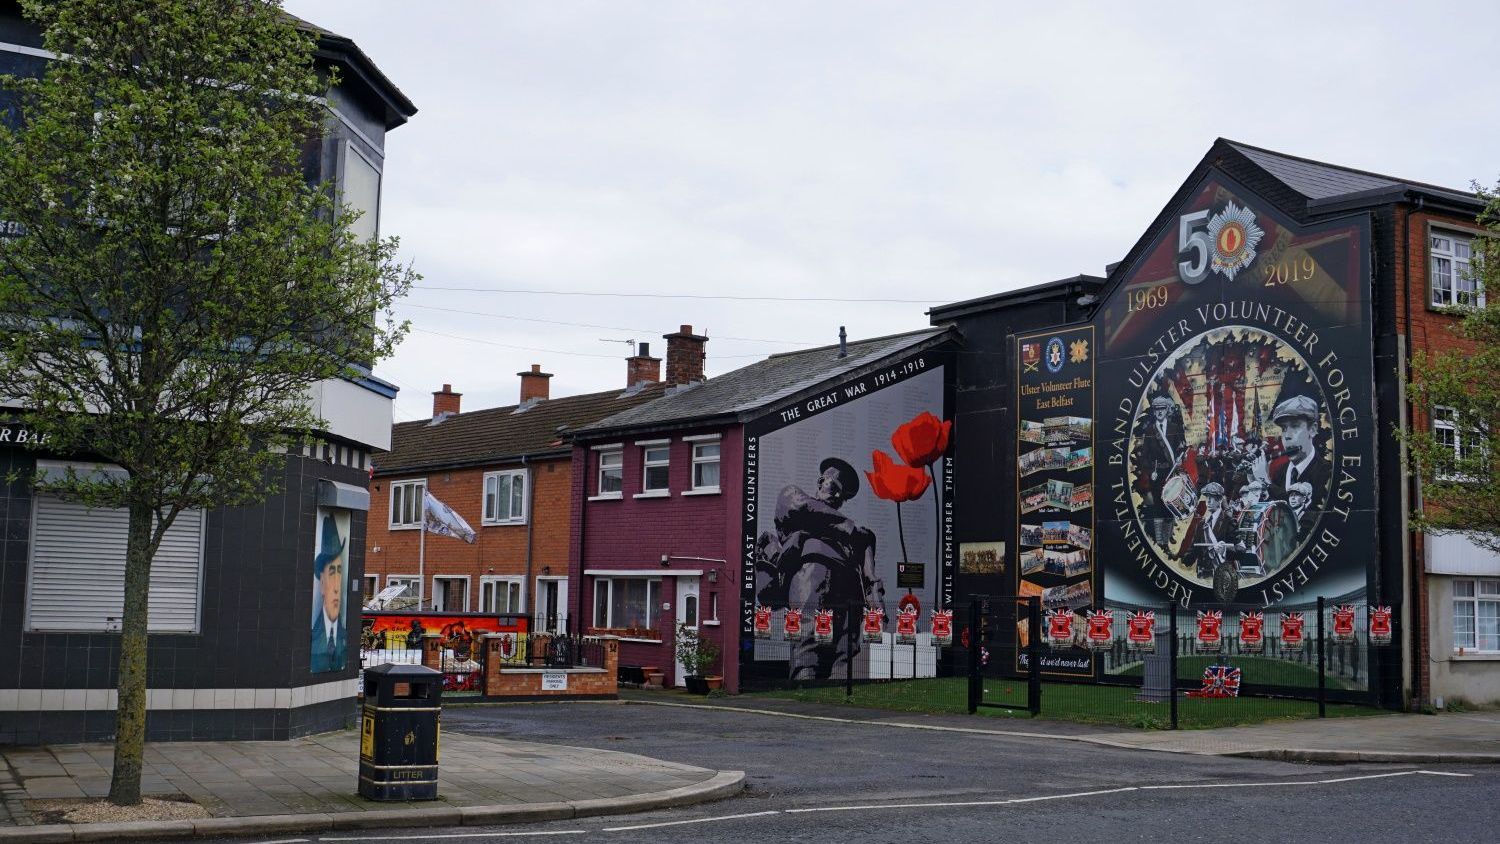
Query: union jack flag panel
x,y
1221,681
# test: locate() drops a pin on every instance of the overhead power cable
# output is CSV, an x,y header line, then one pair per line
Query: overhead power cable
x,y
549,351
859,300
592,325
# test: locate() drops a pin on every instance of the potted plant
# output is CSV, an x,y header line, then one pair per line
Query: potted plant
x,y
696,654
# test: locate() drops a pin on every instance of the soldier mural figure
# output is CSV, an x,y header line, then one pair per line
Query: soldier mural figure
x,y
820,559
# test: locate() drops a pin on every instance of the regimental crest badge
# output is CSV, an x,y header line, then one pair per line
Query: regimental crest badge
x,y
1235,236
1210,629
1140,630
874,626
942,627
1252,632
1101,629
1031,356
823,626
791,625
762,622
1055,355
906,625
1292,624
1078,351
1060,627
1343,623
1380,625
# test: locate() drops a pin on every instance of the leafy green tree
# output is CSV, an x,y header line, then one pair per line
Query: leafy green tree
x,y
180,283
1458,467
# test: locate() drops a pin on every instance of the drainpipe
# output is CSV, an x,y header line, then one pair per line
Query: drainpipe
x,y
530,527
1420,658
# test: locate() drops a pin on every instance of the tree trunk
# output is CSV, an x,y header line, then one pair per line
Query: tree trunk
x,y
130,714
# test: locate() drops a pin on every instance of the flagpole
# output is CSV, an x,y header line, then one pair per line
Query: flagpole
x,y
421,555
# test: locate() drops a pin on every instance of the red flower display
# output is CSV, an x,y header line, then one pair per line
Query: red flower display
x,y
894,482
923,440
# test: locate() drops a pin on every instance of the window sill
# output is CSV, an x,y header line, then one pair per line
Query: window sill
x,y
707,490
510,523
413,526
1476,656
655,493
713,622
609,496
641,641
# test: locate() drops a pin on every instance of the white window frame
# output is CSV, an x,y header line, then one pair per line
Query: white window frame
x,y
607,585
648,463
1482,591
370,583
432,594
1443,259
415,483
509,580
371,217
516,476
700,460
616,451
1448,429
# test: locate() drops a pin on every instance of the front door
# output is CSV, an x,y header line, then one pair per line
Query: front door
x,y
552,604
687,615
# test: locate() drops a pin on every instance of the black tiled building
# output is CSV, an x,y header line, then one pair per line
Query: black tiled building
x,y
234,590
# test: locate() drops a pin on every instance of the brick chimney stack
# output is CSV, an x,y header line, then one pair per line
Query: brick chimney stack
x,y
685,356
641,367
534,384
445,401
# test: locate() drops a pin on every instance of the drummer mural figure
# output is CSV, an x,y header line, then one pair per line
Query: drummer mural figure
x,y
1162,446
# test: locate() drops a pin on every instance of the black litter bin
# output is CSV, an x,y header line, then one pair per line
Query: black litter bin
x,y
398,733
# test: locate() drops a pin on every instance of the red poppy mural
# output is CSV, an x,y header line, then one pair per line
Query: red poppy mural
x,y
920,443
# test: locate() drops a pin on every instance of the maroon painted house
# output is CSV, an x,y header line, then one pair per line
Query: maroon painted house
x,y
677,500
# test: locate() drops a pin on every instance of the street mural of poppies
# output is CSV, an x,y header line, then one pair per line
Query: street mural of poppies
x,y
845,503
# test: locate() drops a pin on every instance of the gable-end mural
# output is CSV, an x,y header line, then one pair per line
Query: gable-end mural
x,y
1236,443
847,508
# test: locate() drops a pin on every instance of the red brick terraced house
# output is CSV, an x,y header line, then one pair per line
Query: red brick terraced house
x,y
684,505
507,471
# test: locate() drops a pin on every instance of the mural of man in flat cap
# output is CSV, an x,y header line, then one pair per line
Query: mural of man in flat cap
x,y
1300,461
329,649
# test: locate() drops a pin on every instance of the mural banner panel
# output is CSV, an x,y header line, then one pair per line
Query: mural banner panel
x,y
1055,488
848,505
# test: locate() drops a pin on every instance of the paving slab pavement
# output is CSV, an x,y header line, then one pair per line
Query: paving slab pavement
x,y
309,785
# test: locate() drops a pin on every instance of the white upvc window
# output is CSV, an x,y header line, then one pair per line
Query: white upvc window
x,y
450,593
1476,615
505,497
1450,432
1453,283
501,595
406,504
359,192
624,602
706,467
656,465
611,472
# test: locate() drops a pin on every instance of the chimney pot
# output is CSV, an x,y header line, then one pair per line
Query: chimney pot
x,y
535,384
445,401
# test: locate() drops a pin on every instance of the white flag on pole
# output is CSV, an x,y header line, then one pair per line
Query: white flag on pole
x,y
440,519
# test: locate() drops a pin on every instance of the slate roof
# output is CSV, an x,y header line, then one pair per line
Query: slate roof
x,y
500,435
744,392
1319,181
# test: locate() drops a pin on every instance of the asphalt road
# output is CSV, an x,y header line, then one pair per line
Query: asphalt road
x,y
817,782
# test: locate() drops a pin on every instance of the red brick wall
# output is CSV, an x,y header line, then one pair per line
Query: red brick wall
x,y
1430,331
498,549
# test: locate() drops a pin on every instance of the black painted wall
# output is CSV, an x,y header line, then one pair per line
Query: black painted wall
x,y
254,626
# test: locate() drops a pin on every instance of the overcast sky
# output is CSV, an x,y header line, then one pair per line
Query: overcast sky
x,y
866,151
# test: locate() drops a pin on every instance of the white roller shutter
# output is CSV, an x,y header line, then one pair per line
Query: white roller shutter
x,y
76,580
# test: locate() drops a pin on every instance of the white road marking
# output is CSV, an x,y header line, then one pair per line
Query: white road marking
x,y
430,836
284,841
954,804
694,820
1444,774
